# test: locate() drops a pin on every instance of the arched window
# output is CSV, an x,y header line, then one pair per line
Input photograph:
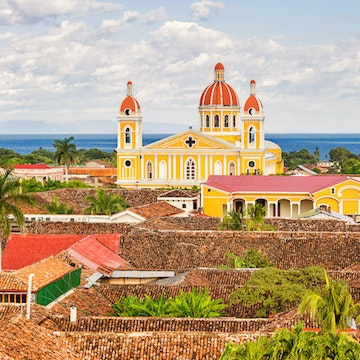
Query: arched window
x,y
149,170
226,121
251,135
162,170
190,169
217,168
127,136
231,168
216,121
207,121
234,121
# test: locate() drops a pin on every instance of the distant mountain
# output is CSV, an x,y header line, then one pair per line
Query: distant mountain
x,y
90,127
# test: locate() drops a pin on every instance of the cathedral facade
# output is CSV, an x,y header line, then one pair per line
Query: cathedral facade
x,y
230,141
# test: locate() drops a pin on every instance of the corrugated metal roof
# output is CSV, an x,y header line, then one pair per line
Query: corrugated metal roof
x,y
274,184
22,250
92,253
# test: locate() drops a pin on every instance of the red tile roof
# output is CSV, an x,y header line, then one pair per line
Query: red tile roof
x,y
23,250
157,209
279,184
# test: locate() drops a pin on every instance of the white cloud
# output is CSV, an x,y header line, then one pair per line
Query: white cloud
x,y
130,17
201,10
25,11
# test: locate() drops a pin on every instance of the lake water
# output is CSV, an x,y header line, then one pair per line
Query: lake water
x,y
25,144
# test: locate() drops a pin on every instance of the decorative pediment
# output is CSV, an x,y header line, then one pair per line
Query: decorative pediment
x,y
191,140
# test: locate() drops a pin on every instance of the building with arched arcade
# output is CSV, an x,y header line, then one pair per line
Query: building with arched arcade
x,y
282,196
230,141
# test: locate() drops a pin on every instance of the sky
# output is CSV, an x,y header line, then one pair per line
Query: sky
x,y
64,64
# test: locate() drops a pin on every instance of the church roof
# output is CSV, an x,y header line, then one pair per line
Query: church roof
x,y
273,184
253,102
219,92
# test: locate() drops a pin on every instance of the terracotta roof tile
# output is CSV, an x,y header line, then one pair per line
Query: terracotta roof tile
x,y
154,210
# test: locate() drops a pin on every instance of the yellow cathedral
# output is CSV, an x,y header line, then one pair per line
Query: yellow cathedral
x,y
230,141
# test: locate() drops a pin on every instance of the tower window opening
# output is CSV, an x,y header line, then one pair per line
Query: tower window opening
x,y
251,135
216,121
226,121
127,136
234,121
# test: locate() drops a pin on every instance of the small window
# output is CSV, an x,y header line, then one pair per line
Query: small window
x,y
127,136
149,170
184,206
226,121
251,135
333,191
216,121
234,121
127,112
207,121
127,163
251,163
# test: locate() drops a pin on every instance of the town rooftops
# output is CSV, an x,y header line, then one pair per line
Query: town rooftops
x,y
157,209
45,271
278,184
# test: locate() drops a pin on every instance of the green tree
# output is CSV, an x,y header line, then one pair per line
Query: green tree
x,y
104,204
58,208
10,198
332,306
250,259
65,153
339,154
273,290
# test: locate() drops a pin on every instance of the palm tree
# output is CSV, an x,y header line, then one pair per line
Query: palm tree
x,y
333,306
104,204
64,153
233,220
10,197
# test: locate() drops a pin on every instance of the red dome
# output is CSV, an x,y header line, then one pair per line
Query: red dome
x,y
253,102
219,92
219,66
129,103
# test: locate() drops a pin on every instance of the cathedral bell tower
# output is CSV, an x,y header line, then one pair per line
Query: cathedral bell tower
x,y
129,122
253,133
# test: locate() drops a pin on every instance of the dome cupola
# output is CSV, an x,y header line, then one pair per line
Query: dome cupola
x,y
253,105
129,105
219,93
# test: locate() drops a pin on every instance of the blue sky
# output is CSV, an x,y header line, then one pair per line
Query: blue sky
x,y
64,64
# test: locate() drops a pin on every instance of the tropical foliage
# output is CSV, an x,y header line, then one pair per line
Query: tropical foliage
x,y
253,219
104,204
233,220
10,198
273,290
332,306
297,344
65,153
250,259
58,208
194,304
33,185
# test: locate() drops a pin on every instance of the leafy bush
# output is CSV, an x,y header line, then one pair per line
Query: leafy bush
x,y
273,289
58,208
250,259
104,204
297,344
196,303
